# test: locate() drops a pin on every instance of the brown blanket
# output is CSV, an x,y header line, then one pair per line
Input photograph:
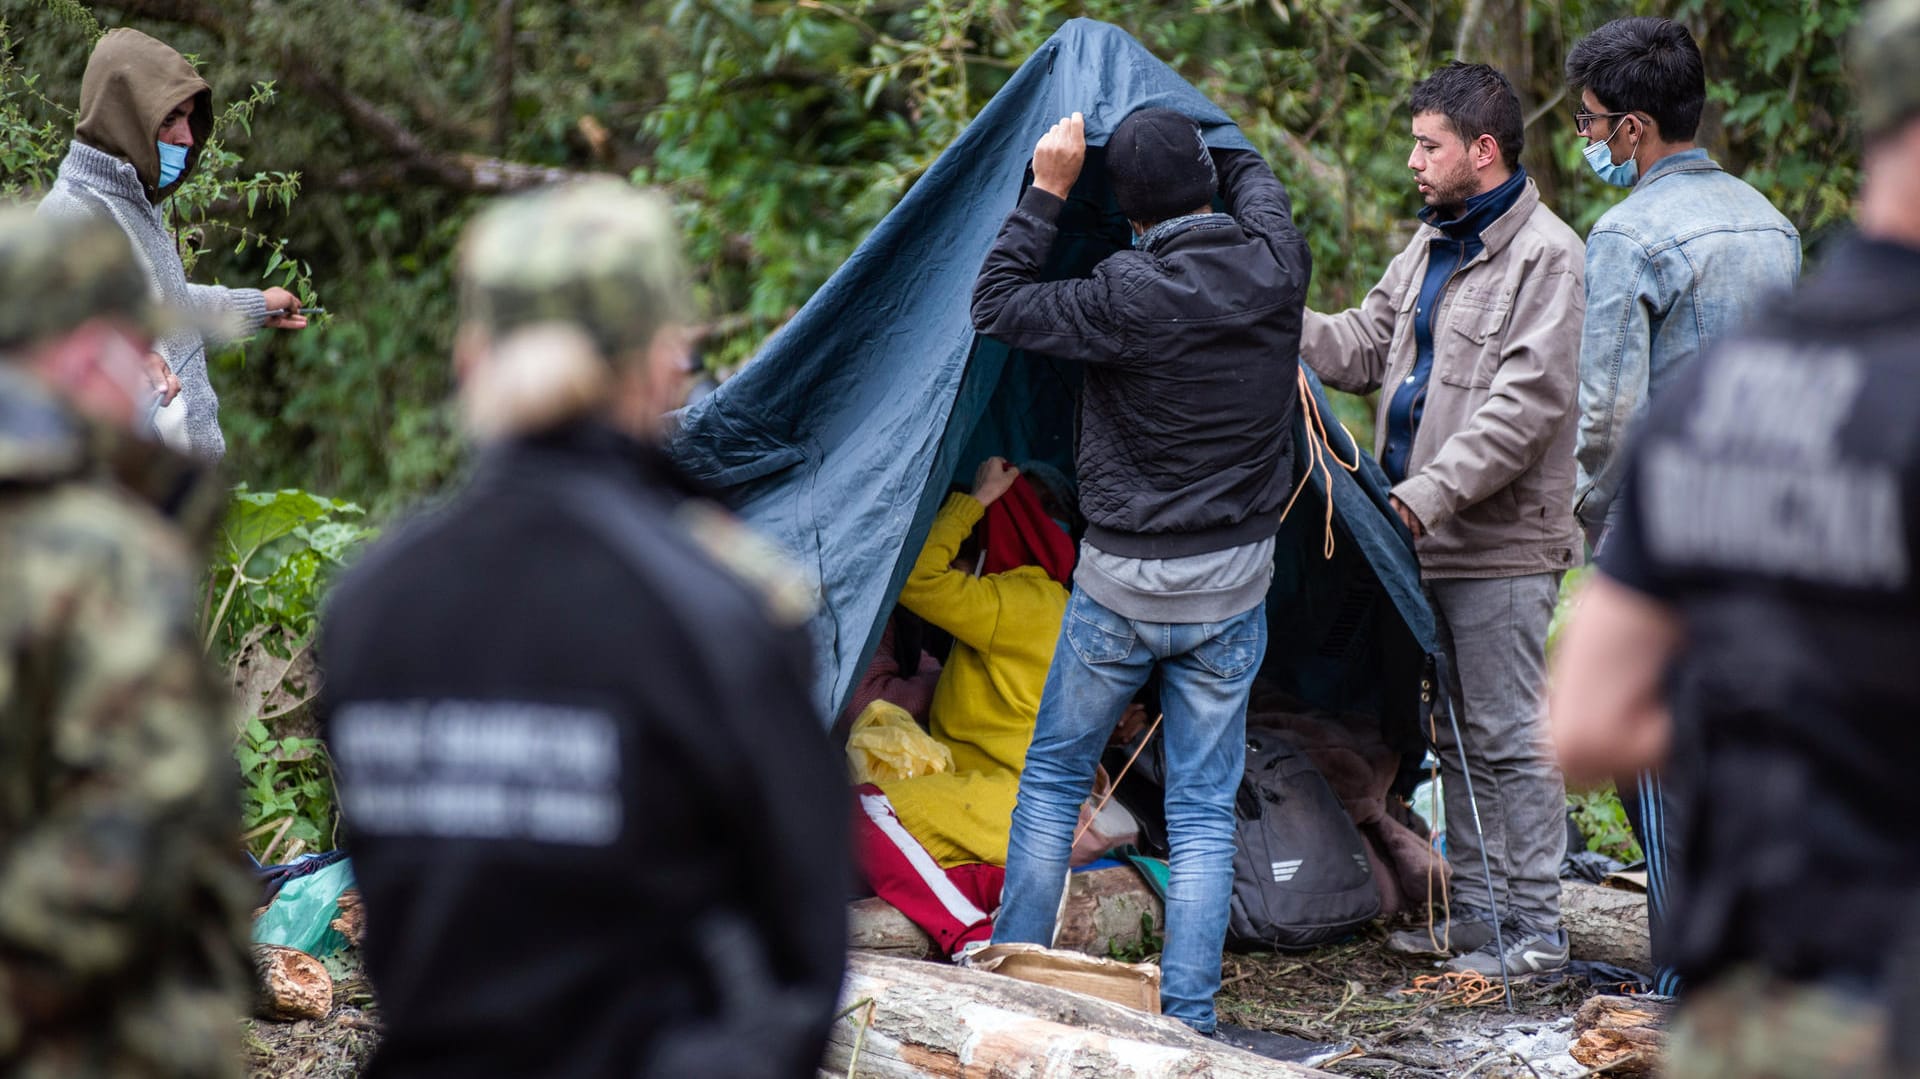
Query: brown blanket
x,y
1360,768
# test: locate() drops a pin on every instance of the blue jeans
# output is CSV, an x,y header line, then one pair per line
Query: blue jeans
x,y
1101,661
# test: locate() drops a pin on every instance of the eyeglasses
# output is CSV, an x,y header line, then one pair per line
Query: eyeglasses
x,y
1582,119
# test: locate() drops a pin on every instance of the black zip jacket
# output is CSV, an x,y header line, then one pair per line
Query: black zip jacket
x,y
595,820
1192,349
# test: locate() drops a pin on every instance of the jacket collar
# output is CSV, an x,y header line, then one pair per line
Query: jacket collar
x,y
1497,235
1864,279
1694,160
103,172
585,443
1481,210
1160,235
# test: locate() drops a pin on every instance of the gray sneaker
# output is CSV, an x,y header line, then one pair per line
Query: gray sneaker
x,y
1456,936
1527,953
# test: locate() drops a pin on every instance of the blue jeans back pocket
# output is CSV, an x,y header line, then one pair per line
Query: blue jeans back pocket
x,y
1237,646
1097,634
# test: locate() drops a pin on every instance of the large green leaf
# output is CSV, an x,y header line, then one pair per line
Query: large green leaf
x,y
256,518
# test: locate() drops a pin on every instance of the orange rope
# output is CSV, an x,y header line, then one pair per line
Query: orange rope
x,y
1319,451
1466,989
1115,785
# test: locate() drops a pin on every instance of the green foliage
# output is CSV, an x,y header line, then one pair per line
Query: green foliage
x,y
1146,949
285,780
32,140
785,132
1597,813
277,552
217,203
1774,69
1603,820
1569,601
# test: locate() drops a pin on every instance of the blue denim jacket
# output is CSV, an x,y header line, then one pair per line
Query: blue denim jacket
x,y
1681,262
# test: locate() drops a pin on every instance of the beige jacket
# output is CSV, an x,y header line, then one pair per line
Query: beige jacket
x,y
1491,471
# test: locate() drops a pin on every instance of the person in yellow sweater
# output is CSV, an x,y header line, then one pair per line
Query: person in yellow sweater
x,y
994,575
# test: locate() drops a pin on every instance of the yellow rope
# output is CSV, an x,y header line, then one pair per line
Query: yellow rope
x,y
1319,451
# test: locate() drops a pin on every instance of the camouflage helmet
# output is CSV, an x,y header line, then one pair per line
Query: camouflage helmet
x,y
599,254
56,274
1886,65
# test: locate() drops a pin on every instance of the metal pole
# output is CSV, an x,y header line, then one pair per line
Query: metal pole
x,y
1444,689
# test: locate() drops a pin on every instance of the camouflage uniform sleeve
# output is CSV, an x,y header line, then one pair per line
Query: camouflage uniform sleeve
x,y
118,814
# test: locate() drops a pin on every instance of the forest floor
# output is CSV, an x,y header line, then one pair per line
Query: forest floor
x,y
1400,1018
1400,1021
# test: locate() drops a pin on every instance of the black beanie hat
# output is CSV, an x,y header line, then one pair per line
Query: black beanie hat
x,y
1159,166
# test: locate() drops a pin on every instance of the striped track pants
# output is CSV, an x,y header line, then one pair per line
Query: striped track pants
x,y
1645,802
954,905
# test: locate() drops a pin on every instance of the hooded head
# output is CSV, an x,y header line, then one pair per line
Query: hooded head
x,y
132,83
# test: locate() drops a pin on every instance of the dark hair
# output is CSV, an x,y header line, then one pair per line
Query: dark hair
x,y
1476,100
1056,493
1643,64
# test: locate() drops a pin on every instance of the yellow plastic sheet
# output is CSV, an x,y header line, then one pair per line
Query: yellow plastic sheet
x,y
886,744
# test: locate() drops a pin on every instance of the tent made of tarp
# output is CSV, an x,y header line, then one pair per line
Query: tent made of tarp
x,y
840,439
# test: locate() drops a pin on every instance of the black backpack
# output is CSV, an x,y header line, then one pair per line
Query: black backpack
x,y
1301,876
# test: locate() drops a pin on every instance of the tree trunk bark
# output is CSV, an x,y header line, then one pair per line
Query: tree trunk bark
x,y
932,1019
1606,925
1105,911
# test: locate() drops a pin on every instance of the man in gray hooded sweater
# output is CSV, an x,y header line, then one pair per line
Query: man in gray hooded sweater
x,y
145,114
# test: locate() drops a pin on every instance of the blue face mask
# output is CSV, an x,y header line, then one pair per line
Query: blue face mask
x,y
173,162
1600,160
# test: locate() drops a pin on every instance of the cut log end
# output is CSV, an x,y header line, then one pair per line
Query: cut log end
x,y
293,984
1625,1036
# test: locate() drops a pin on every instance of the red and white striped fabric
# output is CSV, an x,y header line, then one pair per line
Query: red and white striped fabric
x,y
953,905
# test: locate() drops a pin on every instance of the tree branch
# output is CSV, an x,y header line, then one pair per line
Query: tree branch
x,y
474,173
415,160
199,13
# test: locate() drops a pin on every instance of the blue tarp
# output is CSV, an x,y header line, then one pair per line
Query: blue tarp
x,y
840,439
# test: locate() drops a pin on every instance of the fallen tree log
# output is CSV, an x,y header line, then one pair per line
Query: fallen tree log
x,y
1624,1035
1103,915
1606,925
1105,906
934,1019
